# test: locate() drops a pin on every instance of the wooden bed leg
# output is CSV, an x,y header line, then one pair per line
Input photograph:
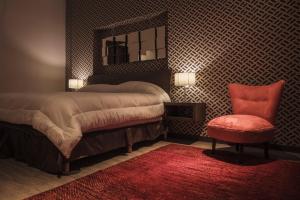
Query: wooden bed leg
x,y
166,134
66,167
129,139
65,170
129,148
165,129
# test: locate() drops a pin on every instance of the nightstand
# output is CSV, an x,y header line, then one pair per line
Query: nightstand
x,y
184,114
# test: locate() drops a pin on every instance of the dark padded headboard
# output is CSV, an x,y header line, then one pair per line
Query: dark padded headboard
x,y
160,78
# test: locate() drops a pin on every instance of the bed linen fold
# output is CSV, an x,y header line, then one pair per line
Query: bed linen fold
x,y
64,117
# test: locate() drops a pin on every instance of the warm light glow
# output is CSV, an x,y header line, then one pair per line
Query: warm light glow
x,y
185,79
150,55
75,84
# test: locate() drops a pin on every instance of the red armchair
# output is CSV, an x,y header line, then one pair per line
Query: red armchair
x,y
254,111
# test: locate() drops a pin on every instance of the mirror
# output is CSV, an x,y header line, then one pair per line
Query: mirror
x,y
114,50
119,50
105,48
161,42
149,44
133,46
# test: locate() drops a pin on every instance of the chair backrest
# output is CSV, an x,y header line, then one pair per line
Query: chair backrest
x,y
261,101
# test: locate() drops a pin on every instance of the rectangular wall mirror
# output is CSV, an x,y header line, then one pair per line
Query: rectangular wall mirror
x,y
149,44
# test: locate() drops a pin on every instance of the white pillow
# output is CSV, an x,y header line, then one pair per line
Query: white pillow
x,y
144,87
129,87
99,88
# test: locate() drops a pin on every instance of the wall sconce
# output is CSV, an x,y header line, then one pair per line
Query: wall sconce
x,y
185,79
75,84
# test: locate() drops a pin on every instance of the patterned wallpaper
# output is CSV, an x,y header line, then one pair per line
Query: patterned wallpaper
x,y
223,41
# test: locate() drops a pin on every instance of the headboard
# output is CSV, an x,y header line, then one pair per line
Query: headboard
x,y
161,78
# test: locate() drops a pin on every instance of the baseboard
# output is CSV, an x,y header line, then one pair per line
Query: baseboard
x,y
207,139
285,148
182,139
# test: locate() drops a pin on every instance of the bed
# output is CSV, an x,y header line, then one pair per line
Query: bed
x,y
49,132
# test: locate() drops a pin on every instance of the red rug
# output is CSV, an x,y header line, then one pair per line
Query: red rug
x,y
181,172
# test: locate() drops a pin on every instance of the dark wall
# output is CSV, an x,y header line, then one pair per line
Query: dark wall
x,y
252,42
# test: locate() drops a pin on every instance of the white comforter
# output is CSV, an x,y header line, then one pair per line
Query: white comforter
x,y
63,117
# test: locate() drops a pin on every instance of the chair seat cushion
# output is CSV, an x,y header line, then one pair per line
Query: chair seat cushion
x,y
241,129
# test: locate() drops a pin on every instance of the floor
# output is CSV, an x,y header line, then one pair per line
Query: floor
x,y
18,181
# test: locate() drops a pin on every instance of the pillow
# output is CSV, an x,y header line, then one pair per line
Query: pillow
x,y
129,87
144,87
99,88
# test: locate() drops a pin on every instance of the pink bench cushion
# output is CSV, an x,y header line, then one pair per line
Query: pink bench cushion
x,y
241,129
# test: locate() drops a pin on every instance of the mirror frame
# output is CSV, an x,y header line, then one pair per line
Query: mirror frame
x,y
124,28
116,59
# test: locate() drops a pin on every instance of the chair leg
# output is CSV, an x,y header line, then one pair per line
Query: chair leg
x,y
266,150
213,146
240,153
241,148
237,147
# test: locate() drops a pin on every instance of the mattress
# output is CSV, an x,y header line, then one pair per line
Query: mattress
x,y
64,117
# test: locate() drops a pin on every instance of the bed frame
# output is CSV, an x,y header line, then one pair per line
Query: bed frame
x,y
28,145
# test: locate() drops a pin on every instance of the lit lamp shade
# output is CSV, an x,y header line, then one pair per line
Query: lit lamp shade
x,y
185,79
75,84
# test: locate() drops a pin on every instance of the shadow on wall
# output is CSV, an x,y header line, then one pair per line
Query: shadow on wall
x,y
21,72
32,46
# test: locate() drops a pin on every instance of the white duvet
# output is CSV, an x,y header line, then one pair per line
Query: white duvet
x,y
63,117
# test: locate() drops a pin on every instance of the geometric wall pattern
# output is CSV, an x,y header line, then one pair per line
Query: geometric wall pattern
x,y
250,42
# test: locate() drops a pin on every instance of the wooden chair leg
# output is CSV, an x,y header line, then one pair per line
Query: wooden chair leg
x,y
166,134
241,148
129,139
266,150
237,147
213,146
240,153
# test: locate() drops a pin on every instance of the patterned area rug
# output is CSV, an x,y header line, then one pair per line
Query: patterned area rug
x,y
182,172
